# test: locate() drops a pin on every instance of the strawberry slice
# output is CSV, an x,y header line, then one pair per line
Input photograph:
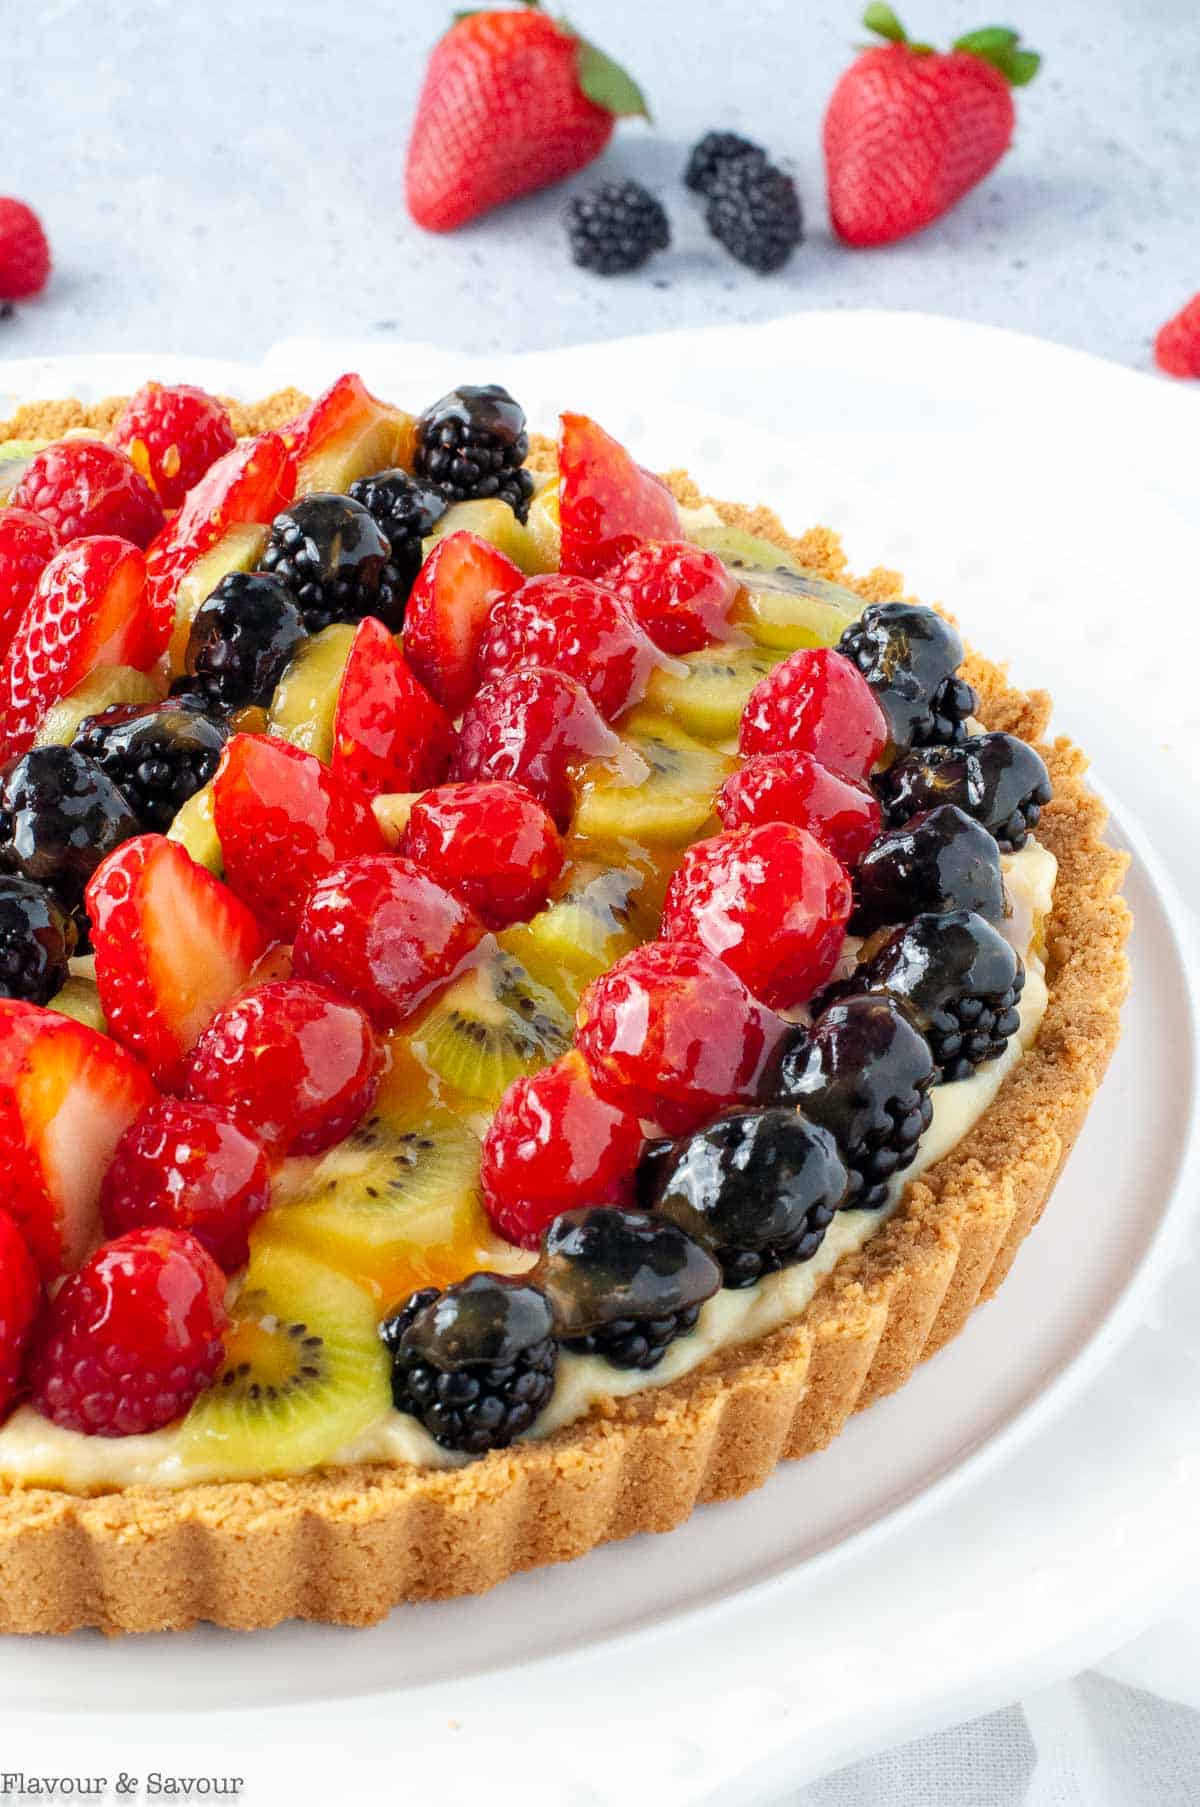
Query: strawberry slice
x,y
347,433
454,593
89,608
607,502
283,819
172,944
67,1095
388,733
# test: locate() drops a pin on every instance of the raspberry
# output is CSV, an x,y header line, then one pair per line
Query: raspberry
x,y
188,1167
1177,347
383,933
552,1143
681,594
291,1062
770,901
24,252
841,813
20,1299
493,845
535,727
84,487
133,1337
816,702
27,544
572,625
173,435
671,1034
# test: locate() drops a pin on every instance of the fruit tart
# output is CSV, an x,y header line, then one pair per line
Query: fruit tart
x,y
527,995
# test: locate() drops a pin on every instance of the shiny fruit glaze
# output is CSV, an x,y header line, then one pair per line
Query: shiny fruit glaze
x,y
816,702
571,625
537,728
493,845
681,594
189,1166
843,813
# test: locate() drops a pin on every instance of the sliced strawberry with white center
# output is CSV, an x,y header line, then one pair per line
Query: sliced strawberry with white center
x,y
388,733
607,502
454,593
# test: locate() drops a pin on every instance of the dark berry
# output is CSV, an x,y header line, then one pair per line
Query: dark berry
x,y
60,815
864,1073
754,211
623,1284
37,938
958,980
759,1188
476,1363
473,443
242,637
616,228
406,510
942,860
711,152
336,561
909,655
996,778
159,754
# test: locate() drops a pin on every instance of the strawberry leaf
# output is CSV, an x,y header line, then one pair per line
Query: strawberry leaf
x,y
608,85
1000,46
883,21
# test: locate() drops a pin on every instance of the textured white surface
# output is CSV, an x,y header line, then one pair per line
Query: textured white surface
x,y
215,176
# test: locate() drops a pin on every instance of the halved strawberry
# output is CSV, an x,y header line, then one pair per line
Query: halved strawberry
x,y
67,1095
283,819
172,944
455,592
347,433
89,608
607,502
388,733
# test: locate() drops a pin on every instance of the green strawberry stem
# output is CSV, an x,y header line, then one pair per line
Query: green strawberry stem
x,y
604,82
998,45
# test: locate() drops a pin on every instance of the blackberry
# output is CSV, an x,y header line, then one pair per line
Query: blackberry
x,y
754,211
864,1073
336,562
476,1363
758,1188
473,443
942,860
909,655
711,152
37,939
996,778
616,228
158,754
406,510
958,980
242,636
60,815
622,1284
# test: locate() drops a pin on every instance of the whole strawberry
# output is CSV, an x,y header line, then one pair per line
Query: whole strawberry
x,y
1177,346
909,130
24,253
512,101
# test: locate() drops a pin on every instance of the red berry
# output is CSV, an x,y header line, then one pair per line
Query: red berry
x,y
1177,347
27,544
571,625
681,594
493,845
454,593
388,733
816,702
671,1034
283,819
842,813
290,1062
188,1167
769,901
173,434
384,933
553,1143
20,1302
24,252
607,502
537,728
84,487
344,433
132,1338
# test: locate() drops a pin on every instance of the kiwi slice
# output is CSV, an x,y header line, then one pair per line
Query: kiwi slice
x,y
708,696
669,796
601,913
15,457
80,998
543,524
238,549
101,689
195,829
492,1024
392,810
305,699
784,605
305,1372
495,522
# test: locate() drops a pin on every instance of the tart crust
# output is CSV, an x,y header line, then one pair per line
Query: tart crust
x,y
347,1545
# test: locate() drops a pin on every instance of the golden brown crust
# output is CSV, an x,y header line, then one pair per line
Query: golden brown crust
x,y
350,1544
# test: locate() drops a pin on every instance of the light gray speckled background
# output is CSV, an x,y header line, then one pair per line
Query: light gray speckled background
x,y
217,176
